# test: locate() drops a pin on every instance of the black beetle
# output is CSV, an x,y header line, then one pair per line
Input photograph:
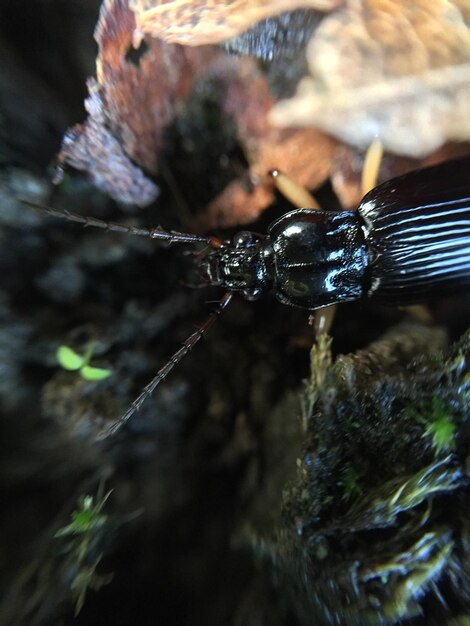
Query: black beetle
x,y
408,242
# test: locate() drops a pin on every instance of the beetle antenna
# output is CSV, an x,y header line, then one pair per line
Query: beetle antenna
x,y
172,236
166,369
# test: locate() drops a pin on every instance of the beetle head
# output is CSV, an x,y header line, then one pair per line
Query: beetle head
x,y
239,265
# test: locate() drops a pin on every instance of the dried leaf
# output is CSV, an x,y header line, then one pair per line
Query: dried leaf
x,y
347,166
92,147
396,70
195,23
305,155
142,96
139,94
367,60
130,104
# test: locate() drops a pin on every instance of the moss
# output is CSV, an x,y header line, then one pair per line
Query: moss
x,y
438,421
441,428
374,496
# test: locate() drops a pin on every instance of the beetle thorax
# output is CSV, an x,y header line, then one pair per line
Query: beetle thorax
x,y
243,264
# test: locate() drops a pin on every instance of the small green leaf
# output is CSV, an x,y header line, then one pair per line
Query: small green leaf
x,y
88,353
68,359
94,373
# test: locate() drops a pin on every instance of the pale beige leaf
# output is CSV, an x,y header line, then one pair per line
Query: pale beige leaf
x,y
390,69
197,22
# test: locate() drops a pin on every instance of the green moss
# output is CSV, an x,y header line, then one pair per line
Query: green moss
x,y
441,429
437,418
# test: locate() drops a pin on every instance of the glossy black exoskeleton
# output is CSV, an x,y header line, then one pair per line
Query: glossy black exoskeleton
x,y
408,242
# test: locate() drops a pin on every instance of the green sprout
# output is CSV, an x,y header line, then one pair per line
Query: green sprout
x,y
72,361
84,531
86,518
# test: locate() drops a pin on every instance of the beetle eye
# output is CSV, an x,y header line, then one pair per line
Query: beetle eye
x,y
244,239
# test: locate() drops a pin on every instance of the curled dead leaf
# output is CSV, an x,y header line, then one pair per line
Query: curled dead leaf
x,y
131,103
368,79
142,94
303,154
92,147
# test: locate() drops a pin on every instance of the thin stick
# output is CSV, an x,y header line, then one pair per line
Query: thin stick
x,y
372,162
166,369
171,236
295,193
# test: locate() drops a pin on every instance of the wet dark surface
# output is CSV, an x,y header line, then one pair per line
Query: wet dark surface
x,y
195,530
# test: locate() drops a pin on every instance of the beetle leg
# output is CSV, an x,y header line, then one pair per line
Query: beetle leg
x,y
322,319
421,313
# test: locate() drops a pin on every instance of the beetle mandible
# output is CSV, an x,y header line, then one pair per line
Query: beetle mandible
x,y
408,242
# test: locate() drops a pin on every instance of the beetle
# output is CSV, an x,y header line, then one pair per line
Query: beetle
x,y
408,242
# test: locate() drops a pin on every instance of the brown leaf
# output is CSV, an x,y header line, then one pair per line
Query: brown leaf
x,y
92,147
137,97
347,165
305,155
142,97
129,107
197,22
388,69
